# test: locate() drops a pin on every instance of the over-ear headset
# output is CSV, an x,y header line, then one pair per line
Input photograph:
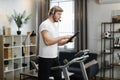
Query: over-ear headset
x,y
54,9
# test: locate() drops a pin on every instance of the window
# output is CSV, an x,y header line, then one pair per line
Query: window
x,y
66,26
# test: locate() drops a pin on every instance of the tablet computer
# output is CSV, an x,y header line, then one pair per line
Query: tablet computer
x,y
73,37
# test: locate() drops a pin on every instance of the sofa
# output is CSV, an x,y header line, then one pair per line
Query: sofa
x,y
91,64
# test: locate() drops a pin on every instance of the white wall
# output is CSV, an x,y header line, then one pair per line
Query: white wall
x,y
98,13
6,9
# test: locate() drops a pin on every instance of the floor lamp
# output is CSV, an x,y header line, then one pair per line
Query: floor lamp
x,y
24,45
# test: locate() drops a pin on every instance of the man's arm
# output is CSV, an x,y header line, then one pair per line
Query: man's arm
x,y
49,40
65,41
62,42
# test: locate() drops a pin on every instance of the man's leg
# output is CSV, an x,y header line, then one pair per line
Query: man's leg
x,y
43,69
56,73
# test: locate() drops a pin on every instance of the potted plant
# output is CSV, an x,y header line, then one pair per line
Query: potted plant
x,y
20,19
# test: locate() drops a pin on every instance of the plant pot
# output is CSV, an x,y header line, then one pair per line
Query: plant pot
x,y
18,32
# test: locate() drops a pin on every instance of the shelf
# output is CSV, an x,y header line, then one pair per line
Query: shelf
x,y
33,55
107,38
107,53
25,67
17,69
114,31
107,67
116,64
17,58
7,59
11,57
8,71
33,45
116,47
8,47
109,23
108,47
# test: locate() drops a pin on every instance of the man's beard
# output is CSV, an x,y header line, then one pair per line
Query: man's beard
x,y
54,18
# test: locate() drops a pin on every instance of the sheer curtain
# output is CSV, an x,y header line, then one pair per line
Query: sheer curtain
x,y
81,24
66,25
43,8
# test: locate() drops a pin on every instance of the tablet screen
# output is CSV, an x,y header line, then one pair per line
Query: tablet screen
x,y
73,37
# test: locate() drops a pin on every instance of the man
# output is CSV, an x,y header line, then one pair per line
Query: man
x,y
49,42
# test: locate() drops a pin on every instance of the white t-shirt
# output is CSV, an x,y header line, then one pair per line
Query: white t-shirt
x,y
52,50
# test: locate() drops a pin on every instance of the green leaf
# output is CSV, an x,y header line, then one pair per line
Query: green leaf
x,y
27,18
20,18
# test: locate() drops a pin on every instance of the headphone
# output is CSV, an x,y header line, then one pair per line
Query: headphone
x,y
52,11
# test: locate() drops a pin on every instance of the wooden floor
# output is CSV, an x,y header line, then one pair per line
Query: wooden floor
x,y
97,78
